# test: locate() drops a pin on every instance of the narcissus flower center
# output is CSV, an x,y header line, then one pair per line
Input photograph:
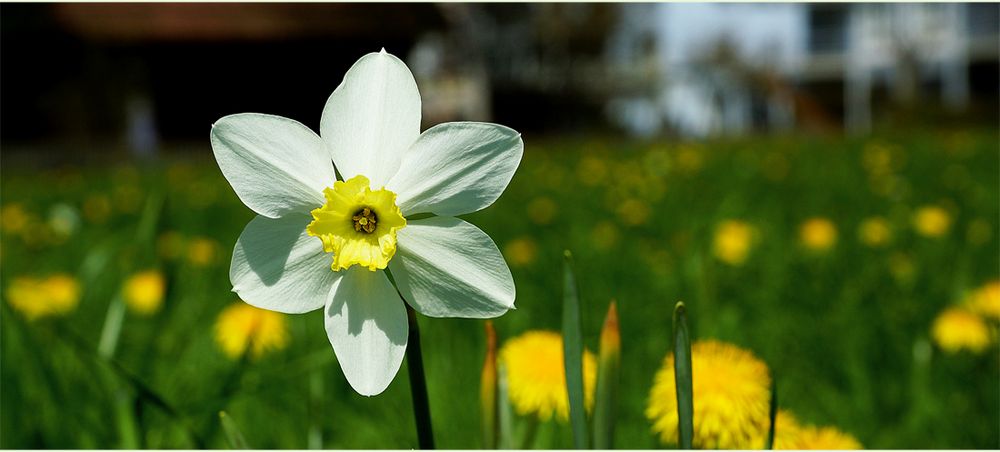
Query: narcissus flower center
x,y
365,220
357,224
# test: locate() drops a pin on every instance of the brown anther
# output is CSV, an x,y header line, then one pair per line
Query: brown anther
x,y
365,220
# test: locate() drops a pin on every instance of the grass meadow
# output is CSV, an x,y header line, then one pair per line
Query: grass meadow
x,y
846,331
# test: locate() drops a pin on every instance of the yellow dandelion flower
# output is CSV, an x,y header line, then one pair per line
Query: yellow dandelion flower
x,y
591,170
818,234
955,329
96,209
875,232
733,240
536,376
824,438
542,210
731,389
877,159
127,198
786,432
521,251
633,212
775,166
13,218
985,301
605,235
689,160
170,245
36,298
979,232
144,292
202,251
902,267
932,221
242,328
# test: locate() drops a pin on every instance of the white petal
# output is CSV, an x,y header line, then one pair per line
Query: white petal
x,y
372,118
277,266
456,168
276,165
366,324
445,267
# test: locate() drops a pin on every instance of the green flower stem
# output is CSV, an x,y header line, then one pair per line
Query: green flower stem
x,y
682,377
573,354
418,384
530,431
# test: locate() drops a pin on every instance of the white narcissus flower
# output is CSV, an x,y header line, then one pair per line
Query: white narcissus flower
x,y
319,242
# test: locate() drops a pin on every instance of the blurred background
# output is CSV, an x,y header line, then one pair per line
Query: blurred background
x,y
819,182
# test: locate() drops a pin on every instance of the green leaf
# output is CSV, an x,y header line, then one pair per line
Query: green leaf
x,y
608,369
573,355
236,440
773,413
506,415
682,375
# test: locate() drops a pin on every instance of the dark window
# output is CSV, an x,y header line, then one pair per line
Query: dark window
x,y
827,28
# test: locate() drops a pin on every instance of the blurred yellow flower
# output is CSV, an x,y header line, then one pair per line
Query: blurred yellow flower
x,y
633,212
902,267
932,221
732,394
985,300
875,232
13,218
775,166
536,376
877,159
202,251
127,198
818,234
824,438
170,245
689,159
733,239
605,235
242,328
56,295
542,210
955,329
591,170
96,209
979,232
144,292
521,251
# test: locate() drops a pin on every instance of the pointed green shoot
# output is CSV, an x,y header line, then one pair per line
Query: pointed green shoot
x,y
608,367
506,421
773,413
682,375
236,440
488,390
573,354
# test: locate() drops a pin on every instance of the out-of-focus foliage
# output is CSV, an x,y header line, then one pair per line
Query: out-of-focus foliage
x,y
845,328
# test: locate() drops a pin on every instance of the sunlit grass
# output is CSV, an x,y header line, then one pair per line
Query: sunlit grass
x,y
846,329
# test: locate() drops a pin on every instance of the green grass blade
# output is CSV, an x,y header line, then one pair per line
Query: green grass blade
x,y
608,369
773,413
682,373
233,434
573,354
506,415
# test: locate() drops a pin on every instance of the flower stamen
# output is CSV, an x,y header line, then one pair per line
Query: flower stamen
x,y
365,220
